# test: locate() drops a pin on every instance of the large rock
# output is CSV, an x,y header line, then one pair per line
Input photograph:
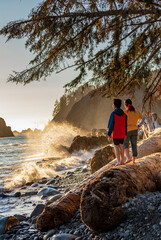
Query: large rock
x,y
87,143
58,212
101,157
102,198
7,222
4,130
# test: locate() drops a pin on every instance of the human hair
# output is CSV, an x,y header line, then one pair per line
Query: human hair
x,y
117,102
128,103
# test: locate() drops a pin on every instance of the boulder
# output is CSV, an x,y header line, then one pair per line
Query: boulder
x,y
58,212
7,222
5,131
87,143
101,157
102,198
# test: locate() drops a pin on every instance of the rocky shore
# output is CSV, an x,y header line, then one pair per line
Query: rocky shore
x,y
143,213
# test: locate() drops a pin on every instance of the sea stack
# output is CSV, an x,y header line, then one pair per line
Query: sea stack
x,y
5,131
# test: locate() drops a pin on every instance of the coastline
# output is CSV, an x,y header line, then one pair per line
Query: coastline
x,y
142,215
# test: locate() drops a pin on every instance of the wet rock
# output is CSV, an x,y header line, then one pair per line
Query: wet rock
x,y
53,186
53,199
49,234
47,192
17,194
64,237
101,157
38,210
50,181
32,193
4,237
87,143
4,195
29,183
20,217
35,185
43,180
7,222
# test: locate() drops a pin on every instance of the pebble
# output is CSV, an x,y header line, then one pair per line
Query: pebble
x,y
47,192
17,194
143,220
54,198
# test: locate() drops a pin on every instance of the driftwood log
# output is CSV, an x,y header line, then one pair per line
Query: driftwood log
x,y
7,222
102,198
150,145
48,218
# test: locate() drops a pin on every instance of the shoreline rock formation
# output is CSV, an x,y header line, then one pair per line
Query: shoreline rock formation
x,y
5,131
87,143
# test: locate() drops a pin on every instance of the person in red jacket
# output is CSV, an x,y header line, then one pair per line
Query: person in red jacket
x,y
117,129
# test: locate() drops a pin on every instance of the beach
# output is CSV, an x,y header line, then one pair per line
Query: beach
x,y
26,191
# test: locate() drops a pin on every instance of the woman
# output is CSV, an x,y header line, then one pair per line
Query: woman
x,y
132,130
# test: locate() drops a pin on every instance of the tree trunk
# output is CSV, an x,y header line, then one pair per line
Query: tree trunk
x,y
48,219
102,197
150,145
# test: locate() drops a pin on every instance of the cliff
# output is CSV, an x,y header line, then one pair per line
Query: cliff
x,y
5,131
93,112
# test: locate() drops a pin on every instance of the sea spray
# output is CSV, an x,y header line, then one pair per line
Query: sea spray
x,y
46,155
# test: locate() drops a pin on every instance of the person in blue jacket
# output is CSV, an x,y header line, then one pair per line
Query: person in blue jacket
x,y
117,129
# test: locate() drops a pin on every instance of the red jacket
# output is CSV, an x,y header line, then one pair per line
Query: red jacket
x,y
117,127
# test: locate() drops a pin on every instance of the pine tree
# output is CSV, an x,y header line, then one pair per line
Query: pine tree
x,y
117,41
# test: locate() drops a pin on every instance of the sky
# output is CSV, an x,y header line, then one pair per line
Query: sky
x,y
28,106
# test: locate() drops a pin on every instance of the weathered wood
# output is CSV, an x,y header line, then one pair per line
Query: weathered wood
x,y
102,197
7,222
48,218
59,212
150,145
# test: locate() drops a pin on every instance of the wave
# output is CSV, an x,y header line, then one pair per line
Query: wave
x,y
49,168
47,156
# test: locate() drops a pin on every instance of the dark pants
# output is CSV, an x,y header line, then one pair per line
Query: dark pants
x,y
132,137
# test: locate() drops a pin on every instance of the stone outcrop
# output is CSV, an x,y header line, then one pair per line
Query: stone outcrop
x,y
101,157
87,143
102,198
7,222
5,131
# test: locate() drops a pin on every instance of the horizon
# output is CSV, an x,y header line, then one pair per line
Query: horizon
x,y
28,106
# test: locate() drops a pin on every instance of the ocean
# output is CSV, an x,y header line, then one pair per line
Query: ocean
x,y
29,158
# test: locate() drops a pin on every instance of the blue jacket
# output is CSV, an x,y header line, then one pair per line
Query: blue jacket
x,y
119,126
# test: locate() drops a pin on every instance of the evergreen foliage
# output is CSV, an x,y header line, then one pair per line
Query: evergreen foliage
x,y
118,41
